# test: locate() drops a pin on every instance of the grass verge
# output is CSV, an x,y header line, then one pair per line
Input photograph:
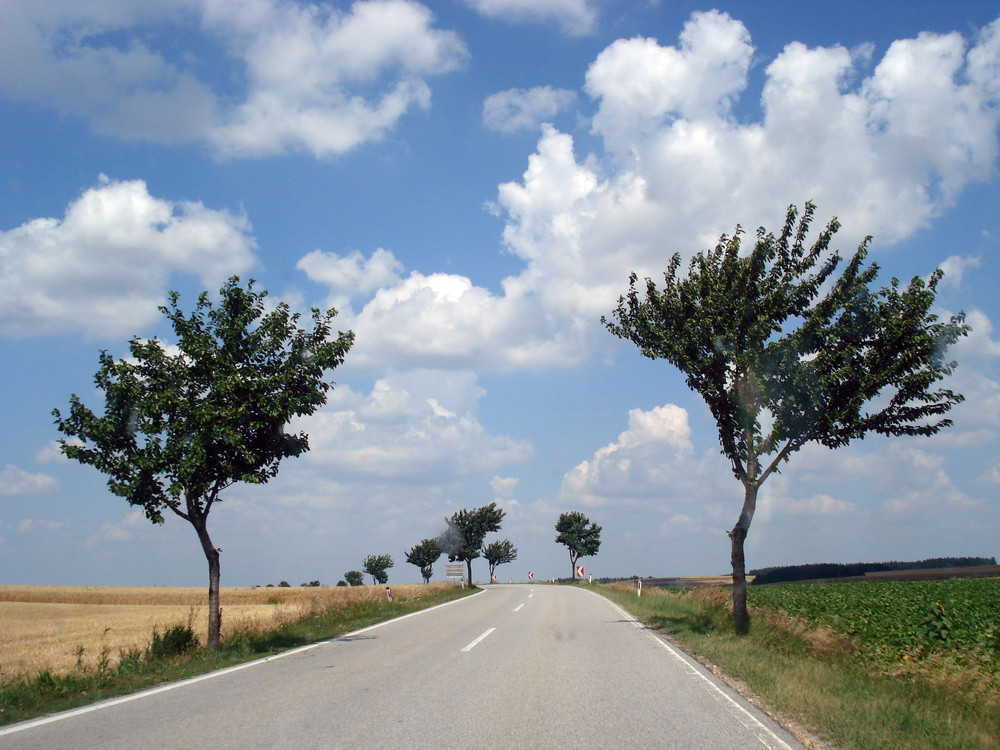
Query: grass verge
x,y
174,655
811,679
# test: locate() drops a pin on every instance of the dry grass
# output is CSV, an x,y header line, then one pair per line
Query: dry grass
x,y
44,627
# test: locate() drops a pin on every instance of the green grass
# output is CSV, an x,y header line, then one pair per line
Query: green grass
x,y
167,659
814,677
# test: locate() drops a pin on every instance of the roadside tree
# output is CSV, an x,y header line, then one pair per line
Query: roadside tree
x,y
377,566
180,427
355,578
784,353
581,537
499,553
467,529
424,555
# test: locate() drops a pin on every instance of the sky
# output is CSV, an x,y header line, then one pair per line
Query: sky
x,y
470,184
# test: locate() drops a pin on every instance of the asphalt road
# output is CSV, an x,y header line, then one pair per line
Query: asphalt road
x,y
510,667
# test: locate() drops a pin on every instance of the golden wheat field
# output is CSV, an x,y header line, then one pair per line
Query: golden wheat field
x,y
45,627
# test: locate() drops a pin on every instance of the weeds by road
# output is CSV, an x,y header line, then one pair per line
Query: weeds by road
x,y
813,677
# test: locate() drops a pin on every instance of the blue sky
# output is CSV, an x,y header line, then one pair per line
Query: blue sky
x,y
470,182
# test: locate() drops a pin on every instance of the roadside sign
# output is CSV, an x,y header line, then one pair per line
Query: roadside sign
x,y
579,571
530,575
454,570
493,577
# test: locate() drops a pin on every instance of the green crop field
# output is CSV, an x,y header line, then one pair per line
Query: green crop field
x,y
891,621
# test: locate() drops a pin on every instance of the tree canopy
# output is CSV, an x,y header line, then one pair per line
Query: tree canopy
x,y
179,427
424,555
581,537
355,578
467,529
785,353
377,566
499,553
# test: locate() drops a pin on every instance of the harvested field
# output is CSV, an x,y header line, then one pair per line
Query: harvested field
x,y
44,627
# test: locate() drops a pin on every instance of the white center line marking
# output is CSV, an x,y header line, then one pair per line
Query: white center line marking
x,y
477,641
519,606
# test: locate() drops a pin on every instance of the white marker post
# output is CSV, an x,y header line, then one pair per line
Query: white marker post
x,y
388,594
638,587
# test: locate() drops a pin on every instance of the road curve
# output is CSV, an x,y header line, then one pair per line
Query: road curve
x,y
511,667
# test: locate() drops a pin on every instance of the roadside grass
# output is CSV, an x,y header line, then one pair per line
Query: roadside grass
x,y
812,678
174,653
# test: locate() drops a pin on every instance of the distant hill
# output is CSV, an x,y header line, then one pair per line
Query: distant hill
x,y
787,573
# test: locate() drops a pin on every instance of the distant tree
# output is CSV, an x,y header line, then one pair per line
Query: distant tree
x,y
311,584
377,566
284,585
581,537
467,530
424,555
179,428
355,578
499,553
341,582
785,354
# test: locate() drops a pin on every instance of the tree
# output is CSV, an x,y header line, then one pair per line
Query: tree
x,y
463,541
355,578
424,555
784,353
581,540
179,428
499,553
377,567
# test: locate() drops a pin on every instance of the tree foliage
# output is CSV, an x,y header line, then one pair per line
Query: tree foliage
x,y
377,566
424,555
467,529
355,578
785,353
180,427
499,553
581,537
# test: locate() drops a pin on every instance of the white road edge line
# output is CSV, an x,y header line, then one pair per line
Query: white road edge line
x,y
477,641
31,723
673,652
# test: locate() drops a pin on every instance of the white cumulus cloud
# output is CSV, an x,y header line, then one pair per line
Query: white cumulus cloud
x,y
317,78
16,482
103,266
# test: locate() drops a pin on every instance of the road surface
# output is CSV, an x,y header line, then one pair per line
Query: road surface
x,y
511,667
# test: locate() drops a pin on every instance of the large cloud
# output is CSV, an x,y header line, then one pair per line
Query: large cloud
x,y
440,320
316,78
885,154
102,268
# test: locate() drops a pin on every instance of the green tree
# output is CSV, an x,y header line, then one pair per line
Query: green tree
x,y
377,566
785,353
463,541
580,536
424,555
499,553
355,578
179,428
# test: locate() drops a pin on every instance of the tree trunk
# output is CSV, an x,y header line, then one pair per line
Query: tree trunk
x,y
212,555
468,567
572,566
741,618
